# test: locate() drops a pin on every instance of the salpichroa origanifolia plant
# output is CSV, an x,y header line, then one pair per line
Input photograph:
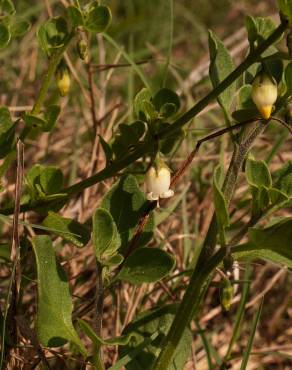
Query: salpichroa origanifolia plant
x,y
122,225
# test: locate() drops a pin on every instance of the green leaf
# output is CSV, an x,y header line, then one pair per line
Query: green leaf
x,y
272,243
263,197
68,229
105,237
283,179
7,131
7,7
75,15
32,120
52,34
276,237
146,265
98,18
251,252
251,337
128,135
51,115
257,173
53,324
51,179
127,203
115,260
166,102
258,29
145,326
121,341
106,149
19,28
5,35
143,107
277,196
288,78
245,107
221,65
221,209
285,7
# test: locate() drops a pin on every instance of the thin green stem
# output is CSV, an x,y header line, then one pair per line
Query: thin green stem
x,y
170,42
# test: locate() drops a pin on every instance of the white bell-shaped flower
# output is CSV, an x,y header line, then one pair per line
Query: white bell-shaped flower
x,y
158,183
264,94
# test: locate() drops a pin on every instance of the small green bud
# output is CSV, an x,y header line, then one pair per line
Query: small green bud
x,y
226,294
63,79
264,94
82,49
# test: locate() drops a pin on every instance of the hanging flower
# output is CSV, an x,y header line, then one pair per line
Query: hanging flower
x,y
63,79
264,94
158,182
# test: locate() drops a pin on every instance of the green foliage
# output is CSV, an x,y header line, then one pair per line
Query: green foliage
x,y
68,229
75,15
115,341
146,265
288,79
105,237
127,137
4,35
219,200
53,34
46,122
144,326
143,107
221,65
54,324
19,28
245,107
98,18
258,29
9,28
283,179
166,102
45,183
257,173
285,7
7,132
127,203
265,194
271,243
7,8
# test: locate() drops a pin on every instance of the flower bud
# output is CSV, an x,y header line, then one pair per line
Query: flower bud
x,y
226,294
264,94
63,79
158,182
82,49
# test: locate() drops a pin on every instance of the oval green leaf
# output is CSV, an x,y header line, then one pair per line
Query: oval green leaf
x,y
146,265
54,323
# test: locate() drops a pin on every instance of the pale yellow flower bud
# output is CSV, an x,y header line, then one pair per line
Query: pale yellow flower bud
x,y
264,94
63,81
